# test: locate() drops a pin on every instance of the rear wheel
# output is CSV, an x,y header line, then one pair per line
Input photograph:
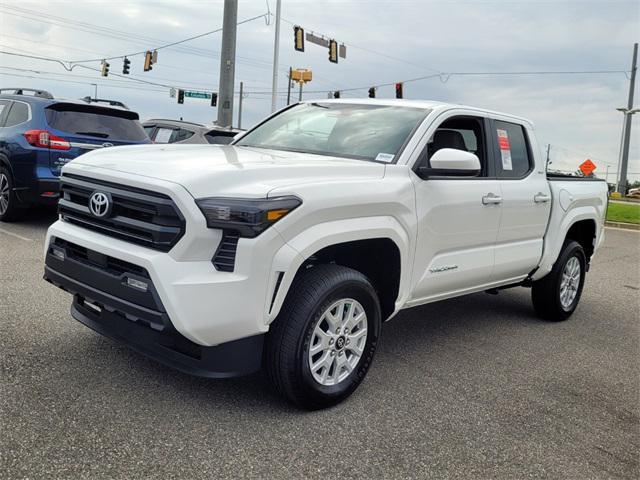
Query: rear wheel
x,y
321,345
9,208
556,296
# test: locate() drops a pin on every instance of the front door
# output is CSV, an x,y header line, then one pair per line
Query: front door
x,y
458,218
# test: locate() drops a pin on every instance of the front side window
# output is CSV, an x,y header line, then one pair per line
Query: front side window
x,y
367,132
513,153
461,133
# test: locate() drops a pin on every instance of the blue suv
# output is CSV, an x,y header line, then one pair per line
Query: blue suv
x,y
39,134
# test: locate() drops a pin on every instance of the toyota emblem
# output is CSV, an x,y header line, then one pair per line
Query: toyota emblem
x,y
100,204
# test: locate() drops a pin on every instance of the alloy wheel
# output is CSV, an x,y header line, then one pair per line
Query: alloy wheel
x,y
338,341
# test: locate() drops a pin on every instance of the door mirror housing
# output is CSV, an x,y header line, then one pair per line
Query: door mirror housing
x,y
451,162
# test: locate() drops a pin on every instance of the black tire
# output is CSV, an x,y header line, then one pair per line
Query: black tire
x,y
9,211
289,339
545,292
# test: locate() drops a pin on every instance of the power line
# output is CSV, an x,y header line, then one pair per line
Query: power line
x,y
169,44
64,22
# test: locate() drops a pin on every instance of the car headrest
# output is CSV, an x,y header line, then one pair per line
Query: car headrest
x,y
448,139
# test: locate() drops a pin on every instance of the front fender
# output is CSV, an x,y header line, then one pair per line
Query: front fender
x,y
300,248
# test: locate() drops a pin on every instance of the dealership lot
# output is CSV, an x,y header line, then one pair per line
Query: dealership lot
x,y
468,388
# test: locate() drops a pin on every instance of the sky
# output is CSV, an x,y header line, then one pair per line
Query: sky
x,y
387,41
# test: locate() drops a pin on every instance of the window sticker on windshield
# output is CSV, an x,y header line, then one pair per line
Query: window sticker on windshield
x,y
505,149
385,157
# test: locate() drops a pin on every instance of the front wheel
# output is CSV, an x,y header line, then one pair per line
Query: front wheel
x,y
556,296
321,345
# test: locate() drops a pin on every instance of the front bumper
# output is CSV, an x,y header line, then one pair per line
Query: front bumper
x,y
106,303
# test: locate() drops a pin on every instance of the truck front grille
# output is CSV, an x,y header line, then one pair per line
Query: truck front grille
x,y
138,216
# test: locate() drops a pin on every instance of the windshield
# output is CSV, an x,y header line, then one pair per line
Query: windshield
x,y
369,132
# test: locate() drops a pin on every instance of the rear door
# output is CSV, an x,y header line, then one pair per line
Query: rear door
x,y
88,127
526,201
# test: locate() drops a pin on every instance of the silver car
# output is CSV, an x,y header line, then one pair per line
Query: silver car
x,y
162,130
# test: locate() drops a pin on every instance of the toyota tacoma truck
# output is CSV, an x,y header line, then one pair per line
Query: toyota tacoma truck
x,y
288,248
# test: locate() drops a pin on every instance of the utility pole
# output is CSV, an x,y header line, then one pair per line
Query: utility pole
x,y
289,86
276,48
300,94
227,63
240,106
624,158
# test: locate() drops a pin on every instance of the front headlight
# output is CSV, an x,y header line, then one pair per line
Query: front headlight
x,y
247,216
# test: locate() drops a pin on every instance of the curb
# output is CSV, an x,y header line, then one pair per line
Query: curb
x,y
626,226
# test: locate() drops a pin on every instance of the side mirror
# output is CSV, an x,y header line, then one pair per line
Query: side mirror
x,y
450,162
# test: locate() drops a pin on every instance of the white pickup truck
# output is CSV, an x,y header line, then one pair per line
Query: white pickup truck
x,y
288,249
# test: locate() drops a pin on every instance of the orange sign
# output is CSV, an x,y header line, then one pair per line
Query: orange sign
x,y
587,167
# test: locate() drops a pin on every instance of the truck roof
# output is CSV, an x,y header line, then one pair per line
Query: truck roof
x,y
426,104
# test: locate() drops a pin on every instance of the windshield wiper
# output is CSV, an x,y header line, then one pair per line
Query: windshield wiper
x,y
94,134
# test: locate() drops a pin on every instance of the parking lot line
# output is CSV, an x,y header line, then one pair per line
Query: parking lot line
x,y
6,232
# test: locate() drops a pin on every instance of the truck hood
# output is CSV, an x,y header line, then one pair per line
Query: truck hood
x,y
223,170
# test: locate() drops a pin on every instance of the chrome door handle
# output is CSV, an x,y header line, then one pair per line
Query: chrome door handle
x,y
491,199
541,197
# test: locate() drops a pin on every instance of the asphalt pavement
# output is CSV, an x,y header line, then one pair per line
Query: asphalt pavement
x,y
475,387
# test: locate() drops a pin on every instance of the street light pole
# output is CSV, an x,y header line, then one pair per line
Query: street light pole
x,y
628,113
276,48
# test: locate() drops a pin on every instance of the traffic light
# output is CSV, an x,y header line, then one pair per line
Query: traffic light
x,y
333,51
180,96
336,94
298,38
104,71
214,99
148,61
125,66
399,90
372,92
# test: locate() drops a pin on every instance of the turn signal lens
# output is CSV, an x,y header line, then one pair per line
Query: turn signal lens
x,y
273,215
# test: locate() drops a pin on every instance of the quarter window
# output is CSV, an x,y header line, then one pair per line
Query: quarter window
x,y
19,113
512,150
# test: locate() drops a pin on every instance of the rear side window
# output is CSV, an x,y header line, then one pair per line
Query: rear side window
x,y
19,113
180,134
96,122
163,135
513,160
172,135
219,138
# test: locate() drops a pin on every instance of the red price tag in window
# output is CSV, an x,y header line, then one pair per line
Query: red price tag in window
x,y
503,140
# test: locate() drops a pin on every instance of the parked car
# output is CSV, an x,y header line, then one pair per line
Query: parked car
x,y
178,131
290,247
39,134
